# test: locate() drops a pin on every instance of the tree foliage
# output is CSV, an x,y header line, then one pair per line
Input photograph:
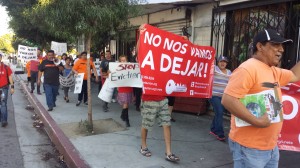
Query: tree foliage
x,y
39,22
69,19
25,30
6,43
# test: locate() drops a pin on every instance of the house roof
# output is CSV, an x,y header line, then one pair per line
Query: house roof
x,y
158,5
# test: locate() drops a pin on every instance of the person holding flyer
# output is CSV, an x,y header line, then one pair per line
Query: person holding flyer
x,y
104,68
155,107
124,97
67,70
34,71
80,67
255,145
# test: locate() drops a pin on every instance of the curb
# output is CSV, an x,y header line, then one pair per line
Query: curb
x,y
65,147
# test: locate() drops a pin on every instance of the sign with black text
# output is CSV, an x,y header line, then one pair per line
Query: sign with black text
x,y
78,83
97,66
26,53
125,75
59,48
67,81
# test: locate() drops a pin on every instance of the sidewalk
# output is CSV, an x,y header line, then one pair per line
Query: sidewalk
x,y
190,138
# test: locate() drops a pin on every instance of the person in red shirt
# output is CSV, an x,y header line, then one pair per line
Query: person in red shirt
x,y
155,108
124,97
34,71
5,80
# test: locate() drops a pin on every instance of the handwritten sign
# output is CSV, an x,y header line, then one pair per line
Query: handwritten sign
x,y
97,65
59,48
26,53
106,92
78,83
67,81
125,75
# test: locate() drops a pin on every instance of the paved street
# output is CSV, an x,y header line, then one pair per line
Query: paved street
x,y
22,145
10,152
119,148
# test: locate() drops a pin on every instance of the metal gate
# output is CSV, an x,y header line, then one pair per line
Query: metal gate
x,y
234,29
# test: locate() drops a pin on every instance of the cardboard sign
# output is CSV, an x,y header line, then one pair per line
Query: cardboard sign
x,y
173,66
106,92
125,75
289,138
78,83
67,81
59,48
26,54
97,65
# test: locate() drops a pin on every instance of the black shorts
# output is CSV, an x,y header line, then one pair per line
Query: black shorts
x,y
171,100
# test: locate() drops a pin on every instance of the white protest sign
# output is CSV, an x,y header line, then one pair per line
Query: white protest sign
x,y
59,48
67,81
125,74
78,83
26,53
106,92
97,65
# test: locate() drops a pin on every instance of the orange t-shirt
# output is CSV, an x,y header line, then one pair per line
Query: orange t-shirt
x,y
28,69
80,67
247,79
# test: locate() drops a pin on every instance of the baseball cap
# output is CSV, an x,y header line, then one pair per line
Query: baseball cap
x,y
222,58
270,35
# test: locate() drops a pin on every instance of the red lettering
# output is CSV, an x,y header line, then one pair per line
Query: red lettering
x,y
127,66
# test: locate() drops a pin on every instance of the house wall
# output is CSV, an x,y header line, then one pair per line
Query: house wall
x,y
201,24
159,17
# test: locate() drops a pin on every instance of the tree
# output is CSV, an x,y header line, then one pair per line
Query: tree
x,y
72,18
6,43
26,29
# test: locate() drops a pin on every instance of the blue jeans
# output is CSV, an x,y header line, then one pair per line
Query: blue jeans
x,y
51,93
253,158
217,123
3,110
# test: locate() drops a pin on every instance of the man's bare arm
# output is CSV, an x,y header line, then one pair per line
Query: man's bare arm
x,y
296,71
235,107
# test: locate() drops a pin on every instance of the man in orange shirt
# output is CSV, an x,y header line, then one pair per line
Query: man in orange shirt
x,y
255,145
81,67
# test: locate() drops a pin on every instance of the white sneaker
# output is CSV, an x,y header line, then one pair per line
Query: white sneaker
x,y
113,100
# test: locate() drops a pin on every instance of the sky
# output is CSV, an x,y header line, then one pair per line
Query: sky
x,y
3,21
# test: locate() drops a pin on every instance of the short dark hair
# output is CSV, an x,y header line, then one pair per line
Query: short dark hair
x,y
255,48
108,51
84,53
50,51
64,54
68,58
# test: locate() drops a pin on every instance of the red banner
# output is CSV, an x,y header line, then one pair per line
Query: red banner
x,y
289,138
173,66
